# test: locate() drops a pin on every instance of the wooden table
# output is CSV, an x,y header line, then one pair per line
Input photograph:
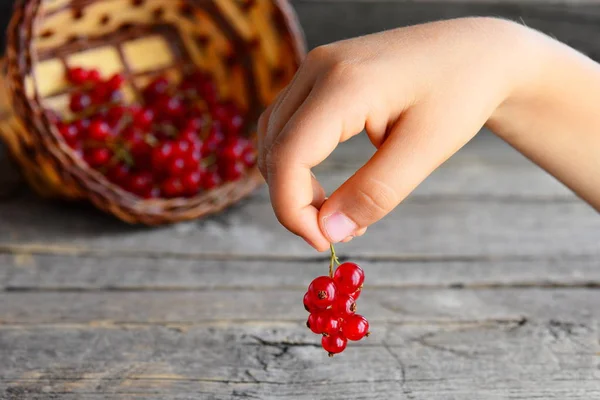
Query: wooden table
x,y
482,285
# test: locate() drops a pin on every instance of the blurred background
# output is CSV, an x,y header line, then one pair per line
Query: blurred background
x,y
483,284
575,22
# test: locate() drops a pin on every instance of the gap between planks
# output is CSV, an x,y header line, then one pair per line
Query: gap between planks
x,y
83,251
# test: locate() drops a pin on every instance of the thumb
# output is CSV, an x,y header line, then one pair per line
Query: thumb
x,y
412,151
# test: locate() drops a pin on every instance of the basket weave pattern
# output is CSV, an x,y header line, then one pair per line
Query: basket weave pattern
x,y
252,48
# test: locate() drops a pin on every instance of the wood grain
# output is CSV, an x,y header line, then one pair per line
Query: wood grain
x,y
551,360
482,285
443,229
244,305
28,273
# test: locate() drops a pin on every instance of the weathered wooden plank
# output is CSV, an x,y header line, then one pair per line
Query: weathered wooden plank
x,y
232,306
70,273
550,359
433,228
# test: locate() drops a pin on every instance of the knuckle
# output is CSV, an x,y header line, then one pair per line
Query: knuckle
x,y
285,219
272,157
342,71
319,54
377,199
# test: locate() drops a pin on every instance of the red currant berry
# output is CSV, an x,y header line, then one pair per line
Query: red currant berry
x,y
308,305
220,112
213,141
115,115
161,155
191,183
234,125
82,124
231,171
322,291
208,91
344,305
144,118
176,166
115,82
234,149
211,180
77,76
169,107
140,150
133,137
330,322
182,147
355,327
140,183
192,161
356,294
119,174
172,187
349,277
79,102
98,157
94,76
249,157
69,132
99,131
334,344
157,87
100,94
190,136
195,122
315,321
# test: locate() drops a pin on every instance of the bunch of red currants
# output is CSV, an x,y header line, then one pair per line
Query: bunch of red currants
x,y
331,302
176,141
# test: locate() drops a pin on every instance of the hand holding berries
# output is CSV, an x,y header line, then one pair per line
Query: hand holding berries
x,y
332,306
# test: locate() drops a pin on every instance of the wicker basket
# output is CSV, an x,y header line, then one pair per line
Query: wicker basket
x,y
251,47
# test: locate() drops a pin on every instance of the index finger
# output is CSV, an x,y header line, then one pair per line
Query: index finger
x,y
327,117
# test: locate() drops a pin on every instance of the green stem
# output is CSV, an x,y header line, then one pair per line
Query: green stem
x,y
333,261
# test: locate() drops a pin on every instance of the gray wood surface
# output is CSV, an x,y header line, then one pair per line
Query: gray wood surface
x,y
483,285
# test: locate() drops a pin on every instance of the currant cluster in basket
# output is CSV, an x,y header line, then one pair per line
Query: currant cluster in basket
x,y
178,140
331,302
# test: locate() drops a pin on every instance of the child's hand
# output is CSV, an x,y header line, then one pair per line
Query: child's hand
x,y
420,92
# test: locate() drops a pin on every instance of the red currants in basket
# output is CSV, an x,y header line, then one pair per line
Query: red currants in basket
x,y
331,302
174,140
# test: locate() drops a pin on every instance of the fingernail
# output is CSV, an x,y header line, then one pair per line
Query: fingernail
x,y
338,227
348,239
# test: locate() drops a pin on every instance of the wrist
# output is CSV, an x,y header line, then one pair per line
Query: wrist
x,y
528,66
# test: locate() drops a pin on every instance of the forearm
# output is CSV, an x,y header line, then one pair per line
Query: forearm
x,y
553,116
